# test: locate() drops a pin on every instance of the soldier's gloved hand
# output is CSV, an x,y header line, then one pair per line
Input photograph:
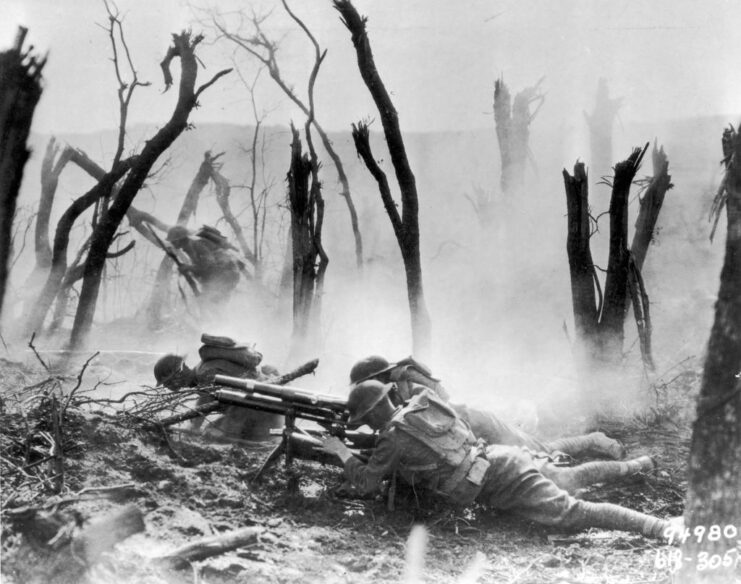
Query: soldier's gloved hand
x,y
333,445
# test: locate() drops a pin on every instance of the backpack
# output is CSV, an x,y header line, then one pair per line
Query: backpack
x,y
433,422
226,348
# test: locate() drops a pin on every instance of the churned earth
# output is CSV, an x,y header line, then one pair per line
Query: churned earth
x,y
296,526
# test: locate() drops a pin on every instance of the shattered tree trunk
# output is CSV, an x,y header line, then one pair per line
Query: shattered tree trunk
x,y
271,63
102,237
161,288
600,320
406,226
600,124
37,314
309,264
20,90
141,221
61,276
645,226
51,168
513,133
584,281
651,203
713,496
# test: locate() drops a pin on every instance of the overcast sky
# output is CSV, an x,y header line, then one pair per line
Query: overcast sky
x,y
439,58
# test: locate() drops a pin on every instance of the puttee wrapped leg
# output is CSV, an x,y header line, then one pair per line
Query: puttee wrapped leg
x,y
583,475
593,444
609,516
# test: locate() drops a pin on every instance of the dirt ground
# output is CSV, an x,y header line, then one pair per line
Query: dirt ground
x,y
188,488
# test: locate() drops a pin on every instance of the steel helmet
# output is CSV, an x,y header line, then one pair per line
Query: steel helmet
x,y
363,398
167,366
368,367
177,233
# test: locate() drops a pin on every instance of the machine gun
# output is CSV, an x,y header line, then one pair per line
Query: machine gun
x,y
294,403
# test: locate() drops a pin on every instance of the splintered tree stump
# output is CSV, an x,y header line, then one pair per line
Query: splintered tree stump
x,y
208,547
600,318
309,259
512,119
651,202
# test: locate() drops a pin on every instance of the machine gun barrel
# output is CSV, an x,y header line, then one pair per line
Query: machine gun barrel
x,y
292,395
273,405
326,410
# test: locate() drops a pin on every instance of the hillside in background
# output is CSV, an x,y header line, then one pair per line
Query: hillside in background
x,y
499,301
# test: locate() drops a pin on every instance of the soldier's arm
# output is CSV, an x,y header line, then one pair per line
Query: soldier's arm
x,y
420,379
367,477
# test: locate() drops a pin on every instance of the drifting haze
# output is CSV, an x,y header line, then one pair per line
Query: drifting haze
x,y
669,58
498,300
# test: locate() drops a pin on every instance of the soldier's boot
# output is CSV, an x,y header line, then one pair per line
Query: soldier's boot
x,y
609,516
589,473
594,444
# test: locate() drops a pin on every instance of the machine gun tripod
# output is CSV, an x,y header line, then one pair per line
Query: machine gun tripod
x,y
294,403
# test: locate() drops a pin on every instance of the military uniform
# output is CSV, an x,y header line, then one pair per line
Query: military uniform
x,y
222,356
411,378
236,421
435,450
211,262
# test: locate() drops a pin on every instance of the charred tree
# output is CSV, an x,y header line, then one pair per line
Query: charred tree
x,y
651,202
51,169
600,318
600,123
183,47
513,131
650,206
20,90
264,50
406,226
309,259
61,275
37,314
585,287
713,497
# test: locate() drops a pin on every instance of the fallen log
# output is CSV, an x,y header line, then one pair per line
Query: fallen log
x,y
211,546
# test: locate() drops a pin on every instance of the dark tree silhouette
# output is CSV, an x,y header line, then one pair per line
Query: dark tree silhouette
x,y
406,226
20,90
183,47
600,319
309,259
264,50
713,497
